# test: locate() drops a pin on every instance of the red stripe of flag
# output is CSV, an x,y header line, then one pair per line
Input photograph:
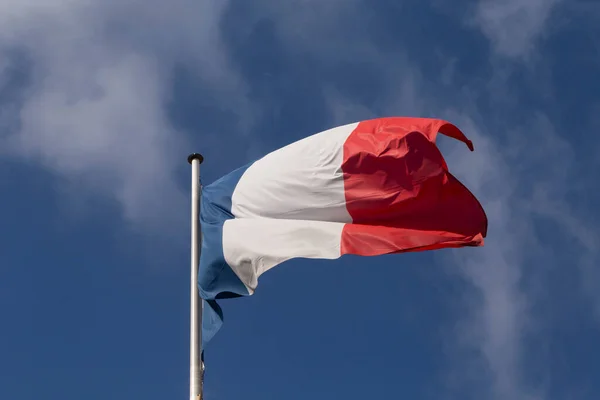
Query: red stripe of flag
x,y
400,194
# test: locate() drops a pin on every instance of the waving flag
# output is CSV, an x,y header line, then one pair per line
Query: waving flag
x,y
369,188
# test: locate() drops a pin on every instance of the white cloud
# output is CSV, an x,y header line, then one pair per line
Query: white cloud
x,y
560,199
513,26
573,224
499,318
94,108
525,175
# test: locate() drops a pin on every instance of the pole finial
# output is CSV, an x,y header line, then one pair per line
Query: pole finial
x,y
195,156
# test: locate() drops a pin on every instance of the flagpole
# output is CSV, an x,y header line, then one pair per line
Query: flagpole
x,y
196,364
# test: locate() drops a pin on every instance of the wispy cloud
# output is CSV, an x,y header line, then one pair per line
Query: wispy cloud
x,y
565,198
513,26
527,184
497,324
578,226
93,104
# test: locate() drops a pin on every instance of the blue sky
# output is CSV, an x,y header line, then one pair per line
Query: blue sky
x,y
100,103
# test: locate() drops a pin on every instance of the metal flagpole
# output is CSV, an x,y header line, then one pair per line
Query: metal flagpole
x,y
196,364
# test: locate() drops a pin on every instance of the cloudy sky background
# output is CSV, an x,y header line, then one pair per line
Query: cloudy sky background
x,y
101,101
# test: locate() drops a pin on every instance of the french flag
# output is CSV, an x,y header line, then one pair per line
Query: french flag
x,y
369,188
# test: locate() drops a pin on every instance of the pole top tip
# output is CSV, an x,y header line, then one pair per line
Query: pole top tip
x,y
195,156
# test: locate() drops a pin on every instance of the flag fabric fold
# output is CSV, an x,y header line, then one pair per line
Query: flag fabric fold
x,y
369,188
